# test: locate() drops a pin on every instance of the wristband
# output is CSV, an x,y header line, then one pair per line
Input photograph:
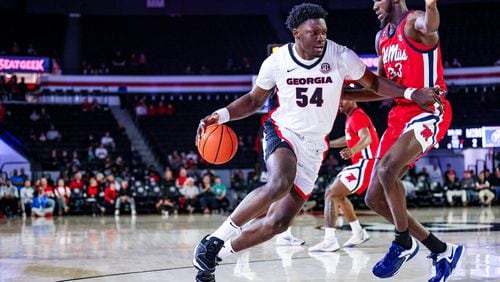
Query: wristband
x,y
408,92
223,115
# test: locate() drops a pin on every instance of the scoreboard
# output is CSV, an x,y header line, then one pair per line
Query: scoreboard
x,y
471,137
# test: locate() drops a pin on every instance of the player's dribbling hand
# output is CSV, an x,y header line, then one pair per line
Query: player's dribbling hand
x,y
346,153
206,121
426,97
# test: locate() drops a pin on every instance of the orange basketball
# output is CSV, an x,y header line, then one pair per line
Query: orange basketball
x,y
218,144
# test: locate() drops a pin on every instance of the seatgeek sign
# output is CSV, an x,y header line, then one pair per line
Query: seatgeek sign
x,y
24,64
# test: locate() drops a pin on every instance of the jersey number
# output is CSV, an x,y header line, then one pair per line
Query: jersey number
x,y
316,98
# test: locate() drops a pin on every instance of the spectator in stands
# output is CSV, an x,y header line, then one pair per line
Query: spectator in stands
x,y
53,134
161,109
141,108
15,49
207,195
34,116
456,63
31,51
64,159
165,205
22,174
143,60
62,193
47,189
86,105
152,110
125,196
9,198
101,152
118,60
44,116
175,160
190,193
42,205
110,196
42,138
204,70
468,184
220,191
454,189
108,141
486,196
16,179
22,89
170,110
3,112
179,182
27,193
93,197
449,169
435,175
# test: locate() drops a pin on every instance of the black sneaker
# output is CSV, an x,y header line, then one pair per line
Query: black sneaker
x,y
205,276
205,254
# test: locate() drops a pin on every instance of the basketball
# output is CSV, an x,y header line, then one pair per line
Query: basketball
x,y
218,144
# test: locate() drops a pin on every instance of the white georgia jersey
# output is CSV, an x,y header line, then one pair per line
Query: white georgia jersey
x,y
308,92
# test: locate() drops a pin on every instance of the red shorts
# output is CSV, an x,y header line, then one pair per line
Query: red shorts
x,y
356,177
429,128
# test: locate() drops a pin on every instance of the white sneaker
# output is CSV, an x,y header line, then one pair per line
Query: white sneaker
x,y
357,239
134,213
117,213
325,246
289,240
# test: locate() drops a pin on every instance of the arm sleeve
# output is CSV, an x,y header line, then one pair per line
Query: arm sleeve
x,y
266,79
354,67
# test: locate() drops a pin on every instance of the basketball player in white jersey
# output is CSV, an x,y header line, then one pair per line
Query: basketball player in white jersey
x,y
306,77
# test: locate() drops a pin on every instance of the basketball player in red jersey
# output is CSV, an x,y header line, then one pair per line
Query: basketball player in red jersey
x,y
410,55
361,140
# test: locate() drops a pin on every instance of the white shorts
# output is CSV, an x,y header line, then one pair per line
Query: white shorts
x,y
356,177
309,152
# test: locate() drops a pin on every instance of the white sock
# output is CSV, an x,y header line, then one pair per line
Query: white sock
x,y
288,232
226,251
330,234
226,230
355,227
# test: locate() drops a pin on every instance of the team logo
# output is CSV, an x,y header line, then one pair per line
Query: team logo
x,y
325,68
400,38
350,177
426,133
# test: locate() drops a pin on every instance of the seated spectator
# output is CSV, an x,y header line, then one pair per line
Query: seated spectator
x,y
207,195
118,60
34,115
190,193
42,205
94,107
27,193
151,110
486,196
141,108
179,182
495,183
170,110
44,116
9,198
220,191
166,205
453,188
161,109
93,197
53,134
110,196
16,179
101,152
469,185
108,141
125,196
31,51
86,105
62,193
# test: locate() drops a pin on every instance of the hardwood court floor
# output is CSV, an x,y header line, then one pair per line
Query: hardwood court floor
x,y
155,248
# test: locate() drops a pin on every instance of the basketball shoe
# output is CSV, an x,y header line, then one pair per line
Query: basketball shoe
x,y
328,245
357,239
391,263
288,240
446,262
205,254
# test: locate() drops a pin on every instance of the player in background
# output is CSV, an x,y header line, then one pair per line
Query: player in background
x,y
361,140
308,75
410,55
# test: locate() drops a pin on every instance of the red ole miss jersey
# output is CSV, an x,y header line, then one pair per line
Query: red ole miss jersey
x,y
409,63
353,124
